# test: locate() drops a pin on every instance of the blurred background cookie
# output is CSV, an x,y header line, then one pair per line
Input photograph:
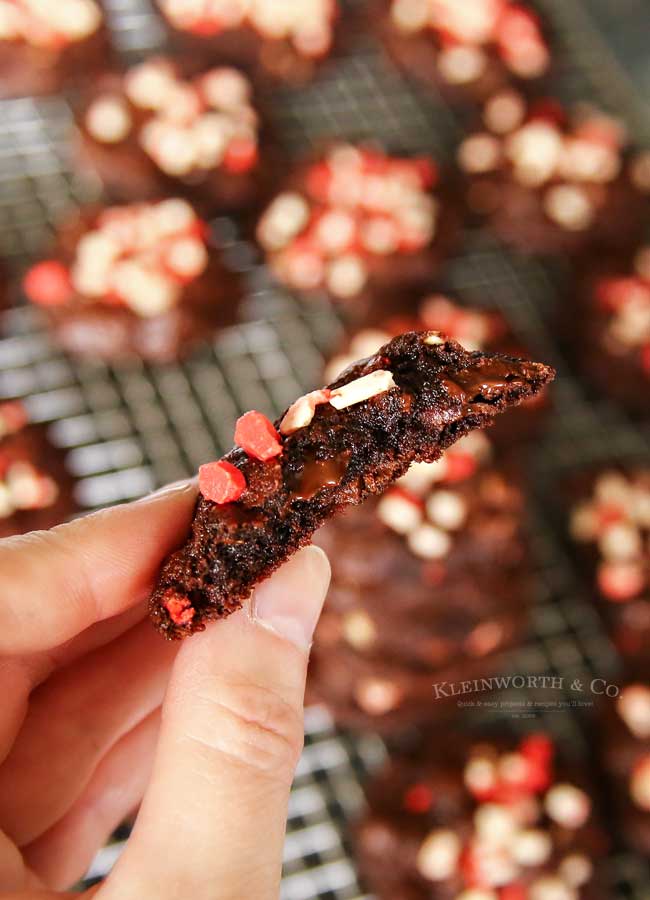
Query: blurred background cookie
x,y
151,132
46,46
143,280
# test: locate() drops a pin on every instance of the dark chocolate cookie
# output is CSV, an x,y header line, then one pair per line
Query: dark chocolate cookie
x,y
144,280
409,402
481,820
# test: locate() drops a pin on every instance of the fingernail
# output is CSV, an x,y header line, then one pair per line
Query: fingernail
x,y
290,602
176,487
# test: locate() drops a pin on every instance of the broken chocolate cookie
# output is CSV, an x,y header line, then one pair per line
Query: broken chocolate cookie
x,y
333,447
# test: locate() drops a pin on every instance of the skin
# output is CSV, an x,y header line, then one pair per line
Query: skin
x,y
101,717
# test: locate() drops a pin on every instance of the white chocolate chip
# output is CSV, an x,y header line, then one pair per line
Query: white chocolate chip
x,y
211,134
434,339
421,475
108,119
495,824
576,869
439,855
346,276
380,236
187,257
169,147
301,412
633,705
367,342
551,888
148,84
398,513
226,89
358,629
10,28
620,541
429,542
410,15
148,293
335,231
446,509
479,153
567,805
480,774
477,894
284,219
7,506
532,847
569,206
173,216
535,151
640,784
377,696
75,19
364,388
461,64
504,112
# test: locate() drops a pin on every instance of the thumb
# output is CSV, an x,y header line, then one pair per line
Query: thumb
x,y
213,820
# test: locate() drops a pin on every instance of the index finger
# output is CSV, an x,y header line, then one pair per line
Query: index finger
x,y
54,584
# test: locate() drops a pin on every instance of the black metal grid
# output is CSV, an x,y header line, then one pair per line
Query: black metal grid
x,y
128,429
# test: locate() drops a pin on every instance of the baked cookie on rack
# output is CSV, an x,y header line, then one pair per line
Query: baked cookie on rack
x,y
550,180
430,583
466,50
47,45
474,327
609,326
151,132
481,819
36,490
609,521
332,448
357,224
280,41
143,280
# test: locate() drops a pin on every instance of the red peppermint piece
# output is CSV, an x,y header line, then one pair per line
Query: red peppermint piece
x,y
538,747
48,283
621,581
221,482
179,607
427,171
459,466
513,892
614,293
255,434
418,798
13,415
517,27
319,179
241,156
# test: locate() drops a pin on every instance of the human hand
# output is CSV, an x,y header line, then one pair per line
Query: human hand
x,y
83,737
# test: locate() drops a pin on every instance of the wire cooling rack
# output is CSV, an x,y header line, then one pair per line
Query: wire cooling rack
x,y
131,428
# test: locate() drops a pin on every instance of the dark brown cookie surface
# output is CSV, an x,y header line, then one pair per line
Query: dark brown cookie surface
x,y
474,327
337,446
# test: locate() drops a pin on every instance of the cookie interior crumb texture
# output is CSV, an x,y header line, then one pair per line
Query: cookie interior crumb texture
x,y
410,401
